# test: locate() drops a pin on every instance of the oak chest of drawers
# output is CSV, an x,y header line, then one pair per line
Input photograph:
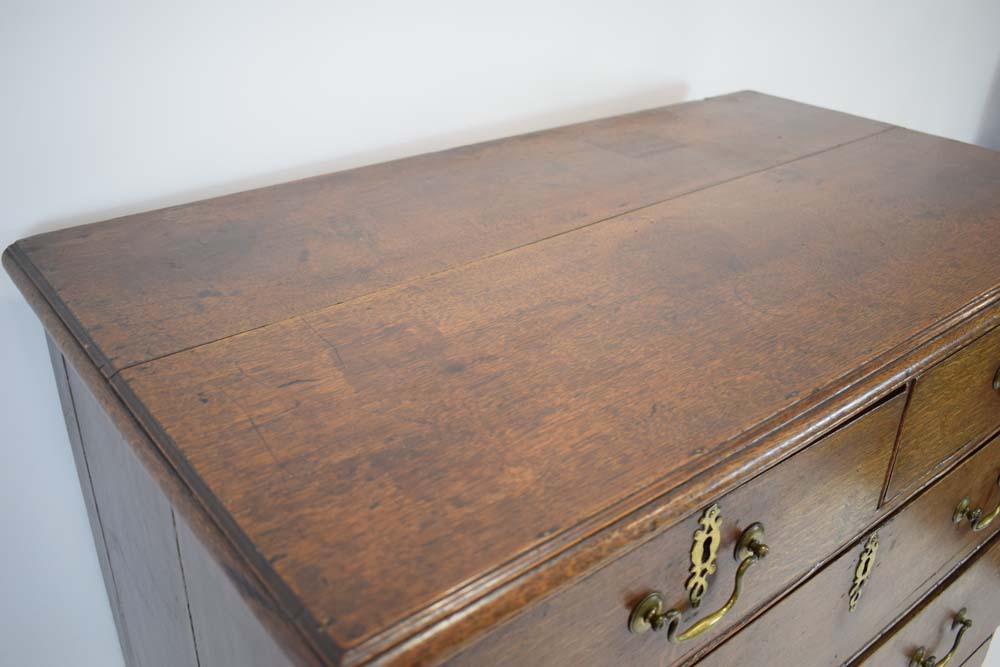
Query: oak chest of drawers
x,y
714,383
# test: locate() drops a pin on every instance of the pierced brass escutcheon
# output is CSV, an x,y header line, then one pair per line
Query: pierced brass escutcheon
x,y
975,516
704,550
864,569
921,659
649,613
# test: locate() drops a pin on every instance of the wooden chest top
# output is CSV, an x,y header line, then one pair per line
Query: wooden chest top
x,y
404,388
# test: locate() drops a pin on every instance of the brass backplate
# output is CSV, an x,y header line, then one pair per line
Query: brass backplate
x,y
864,569
704,551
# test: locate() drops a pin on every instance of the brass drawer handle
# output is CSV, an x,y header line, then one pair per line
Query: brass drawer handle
x,y
921,659
975,516
649,614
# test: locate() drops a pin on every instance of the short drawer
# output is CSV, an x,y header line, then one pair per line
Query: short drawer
x,y
815,625
955,621
953,405
812,504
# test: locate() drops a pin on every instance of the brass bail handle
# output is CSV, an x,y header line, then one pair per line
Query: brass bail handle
x,y
976,517
649,613
921,659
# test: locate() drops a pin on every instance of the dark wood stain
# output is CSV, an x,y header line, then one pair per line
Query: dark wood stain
x,y
917,548
844,471
563,346
61,373
954,405
403,407
252,598
168,280
226,629
930,625
138,527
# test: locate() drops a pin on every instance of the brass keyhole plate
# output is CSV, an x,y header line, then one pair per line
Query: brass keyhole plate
x,y
704,550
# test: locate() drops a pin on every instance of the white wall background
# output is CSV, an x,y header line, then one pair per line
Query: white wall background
x,y
108,108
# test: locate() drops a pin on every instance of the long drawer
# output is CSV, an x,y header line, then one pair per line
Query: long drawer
x,y
945,627
810,505
893,567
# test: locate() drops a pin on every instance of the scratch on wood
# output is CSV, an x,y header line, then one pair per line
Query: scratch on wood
x,y
302,381
260,434
328,343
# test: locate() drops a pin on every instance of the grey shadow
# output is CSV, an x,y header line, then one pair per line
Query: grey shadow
x,y
637,101
989,123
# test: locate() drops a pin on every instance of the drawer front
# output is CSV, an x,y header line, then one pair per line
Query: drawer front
x,y
952,405
815,627
933,629
979,657
810,505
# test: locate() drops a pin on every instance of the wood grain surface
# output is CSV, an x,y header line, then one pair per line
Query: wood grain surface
x,y
138,527
245,595
475,414
979,657
953,406
226,630
151,284
60,370
814,627
401,388
811,506
931,625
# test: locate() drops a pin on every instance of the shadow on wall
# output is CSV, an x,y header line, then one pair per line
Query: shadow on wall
x,y
636,101
989,124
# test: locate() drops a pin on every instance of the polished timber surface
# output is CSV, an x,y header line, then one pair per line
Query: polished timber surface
x,y
418,397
